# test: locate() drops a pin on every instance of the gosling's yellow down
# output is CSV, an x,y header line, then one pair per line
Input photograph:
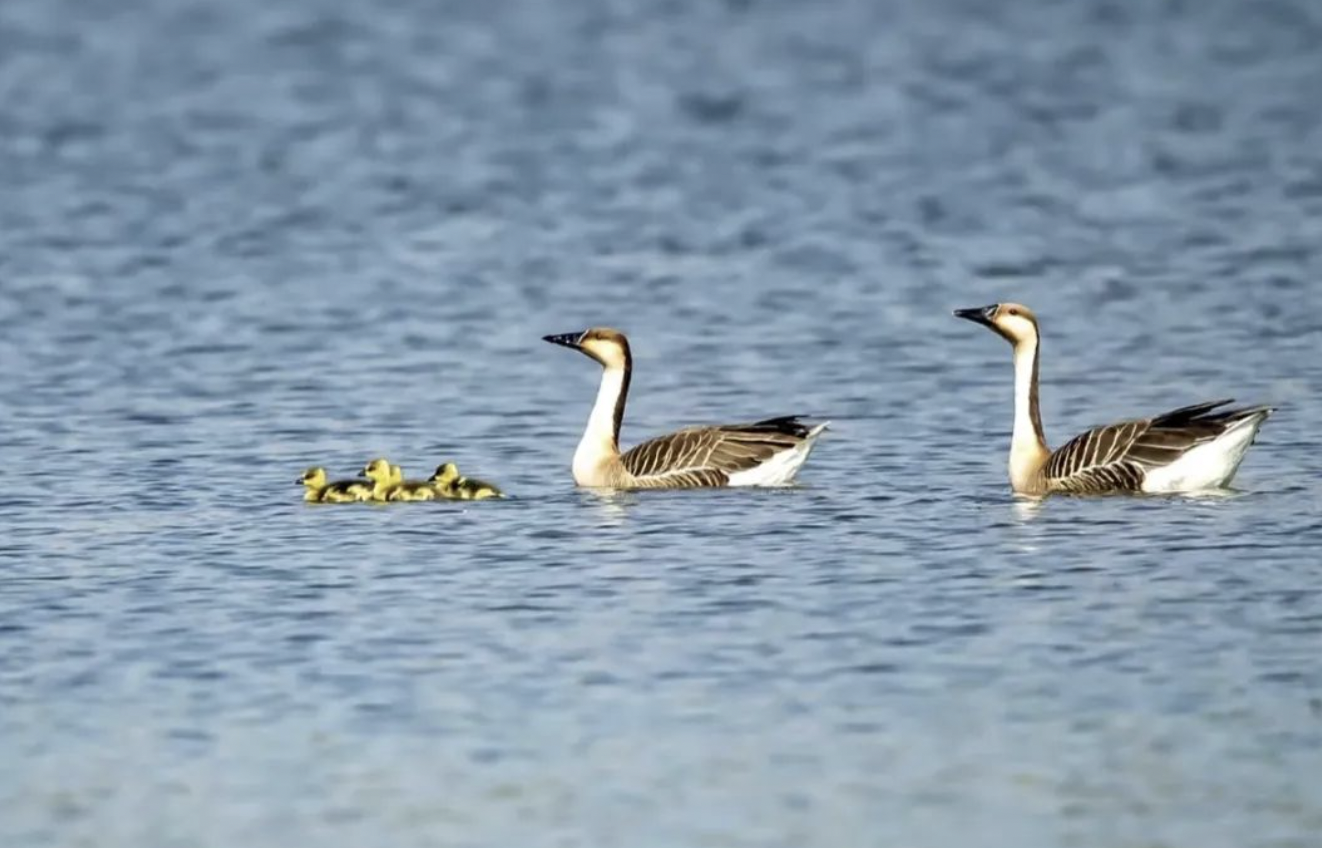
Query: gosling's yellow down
x,y
341,491
450,484
382,475
389,483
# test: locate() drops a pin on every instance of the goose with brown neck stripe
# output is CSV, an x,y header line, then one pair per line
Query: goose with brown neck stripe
x,y
1188,449
764,453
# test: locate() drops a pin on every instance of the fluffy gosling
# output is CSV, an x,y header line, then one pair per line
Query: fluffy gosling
x,y
450,484
341,491
389,483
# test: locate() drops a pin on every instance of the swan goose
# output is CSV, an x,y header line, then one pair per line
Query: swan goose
x,y
1188,449
763,453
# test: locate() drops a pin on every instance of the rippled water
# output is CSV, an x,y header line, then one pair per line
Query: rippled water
x,y
240,238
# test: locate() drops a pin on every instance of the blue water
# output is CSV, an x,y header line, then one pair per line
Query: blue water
x,y
238,239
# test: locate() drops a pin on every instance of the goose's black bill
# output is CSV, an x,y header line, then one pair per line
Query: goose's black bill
x,y
979,314
565,339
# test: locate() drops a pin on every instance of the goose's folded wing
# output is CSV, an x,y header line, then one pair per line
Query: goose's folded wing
x,y
1119,456
1097,460
707,456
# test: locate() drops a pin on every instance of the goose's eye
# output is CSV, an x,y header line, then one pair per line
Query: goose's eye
x,y
1012,312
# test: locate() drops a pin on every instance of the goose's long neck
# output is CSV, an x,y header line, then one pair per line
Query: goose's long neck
x,y
1028,445
601,439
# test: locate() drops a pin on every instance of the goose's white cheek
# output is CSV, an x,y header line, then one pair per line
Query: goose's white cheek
x,y
1017,326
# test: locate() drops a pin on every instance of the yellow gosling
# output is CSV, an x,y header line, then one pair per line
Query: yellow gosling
x,y
410,490
413,490
450,484
341,491
388,483
382,474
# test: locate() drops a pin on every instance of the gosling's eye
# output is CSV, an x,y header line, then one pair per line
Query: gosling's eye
x,y
1013,311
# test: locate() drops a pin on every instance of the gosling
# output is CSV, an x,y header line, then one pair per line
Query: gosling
x,y
389,483
382,476
449,484
341,491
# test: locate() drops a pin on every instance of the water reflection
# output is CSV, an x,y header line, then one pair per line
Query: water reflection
x,y
1027,508
611,506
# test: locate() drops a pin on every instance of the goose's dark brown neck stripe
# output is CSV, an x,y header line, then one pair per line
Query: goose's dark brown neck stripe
x,y
1034,414
618,420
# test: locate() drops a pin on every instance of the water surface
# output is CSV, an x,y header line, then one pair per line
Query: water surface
x,y
241,238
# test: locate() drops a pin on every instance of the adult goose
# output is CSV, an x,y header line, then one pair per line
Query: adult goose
x,y
1188,449
763,453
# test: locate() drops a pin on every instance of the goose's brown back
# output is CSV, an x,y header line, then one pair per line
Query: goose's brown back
x,y
707,456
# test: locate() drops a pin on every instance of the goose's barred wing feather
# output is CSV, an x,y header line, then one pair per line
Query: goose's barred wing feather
x,y
707,456
1118,457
